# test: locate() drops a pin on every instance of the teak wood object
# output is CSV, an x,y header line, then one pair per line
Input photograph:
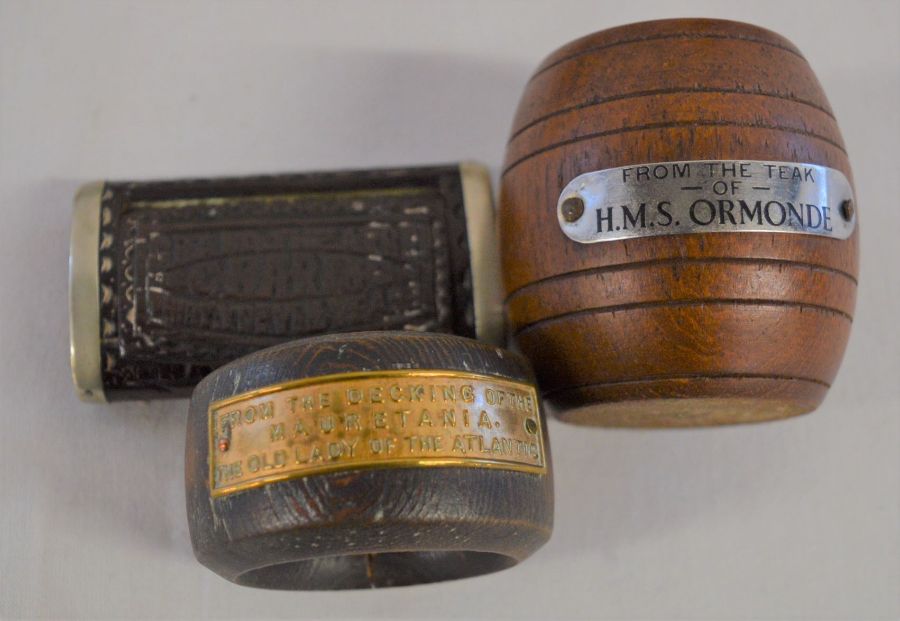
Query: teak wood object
x,y
673,330
277,498
171,279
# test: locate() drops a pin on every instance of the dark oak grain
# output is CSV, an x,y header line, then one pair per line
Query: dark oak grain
x,y
363,528
686,329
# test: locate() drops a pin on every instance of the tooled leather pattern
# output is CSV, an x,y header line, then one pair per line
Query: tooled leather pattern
x,y
196,273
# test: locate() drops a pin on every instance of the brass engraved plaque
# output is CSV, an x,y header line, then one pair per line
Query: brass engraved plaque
x,y
373,419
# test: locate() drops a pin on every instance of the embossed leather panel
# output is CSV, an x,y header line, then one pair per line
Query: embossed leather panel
x,y
196,273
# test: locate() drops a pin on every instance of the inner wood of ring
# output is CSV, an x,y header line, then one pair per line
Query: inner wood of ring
x,y
359,571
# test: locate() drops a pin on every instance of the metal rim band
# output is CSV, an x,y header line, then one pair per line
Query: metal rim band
x,y
484,252
84,299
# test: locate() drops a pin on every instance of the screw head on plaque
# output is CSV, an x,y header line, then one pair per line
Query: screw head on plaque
x,y
369,459
678,226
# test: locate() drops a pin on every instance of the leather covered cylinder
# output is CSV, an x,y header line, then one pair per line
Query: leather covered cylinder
x,y
741,310
171,279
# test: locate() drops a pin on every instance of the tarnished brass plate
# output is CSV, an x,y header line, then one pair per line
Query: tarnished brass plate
x,y
373,420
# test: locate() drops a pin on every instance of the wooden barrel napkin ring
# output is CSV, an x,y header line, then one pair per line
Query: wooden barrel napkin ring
x,y
678,226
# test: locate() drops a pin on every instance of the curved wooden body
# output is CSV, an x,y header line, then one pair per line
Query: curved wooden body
x,y
682,329
362,528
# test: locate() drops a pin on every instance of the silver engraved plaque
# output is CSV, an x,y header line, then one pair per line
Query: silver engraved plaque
x,y
707,196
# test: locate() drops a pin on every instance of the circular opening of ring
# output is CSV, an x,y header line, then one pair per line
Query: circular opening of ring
x,y
846,210
365,571
572,208
531,426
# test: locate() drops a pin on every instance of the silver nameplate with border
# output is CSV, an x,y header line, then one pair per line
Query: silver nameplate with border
x,y
707,196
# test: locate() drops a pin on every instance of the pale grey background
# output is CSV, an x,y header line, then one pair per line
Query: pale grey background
x,y
784,520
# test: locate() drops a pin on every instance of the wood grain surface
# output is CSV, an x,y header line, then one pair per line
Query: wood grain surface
x,y
683,329
363,528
